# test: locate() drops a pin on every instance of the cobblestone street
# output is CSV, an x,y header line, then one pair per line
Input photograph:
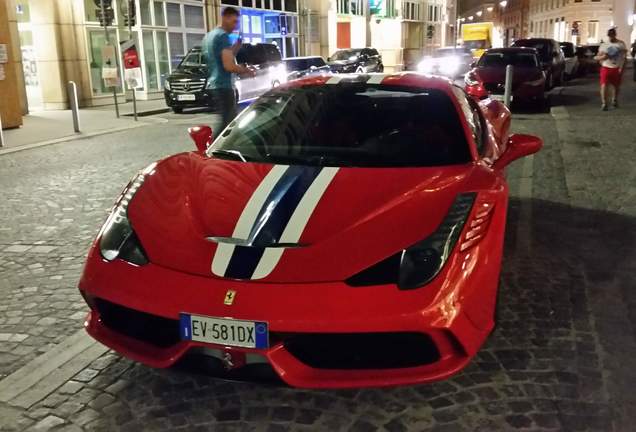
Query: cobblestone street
x,y
560,358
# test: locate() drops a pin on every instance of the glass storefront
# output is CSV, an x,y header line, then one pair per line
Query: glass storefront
x,y
164,31
270,21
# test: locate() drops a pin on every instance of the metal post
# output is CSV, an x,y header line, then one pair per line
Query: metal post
x,y
1,135
71,89
508,85
101,5
130,35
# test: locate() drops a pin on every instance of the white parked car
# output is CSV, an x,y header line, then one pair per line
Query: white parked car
x,y
571,60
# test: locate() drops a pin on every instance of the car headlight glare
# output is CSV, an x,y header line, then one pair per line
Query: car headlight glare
x,y
426,66
117,239
421,262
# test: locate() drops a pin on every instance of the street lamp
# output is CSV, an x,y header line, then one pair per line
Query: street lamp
x,y
489,8
503,3
479,13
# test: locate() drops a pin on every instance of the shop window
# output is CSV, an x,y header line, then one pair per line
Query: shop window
x,y
291,5
174,14
144,12
193,17
149,60
177,50
160,16
163,58
257,26
96,41
193,39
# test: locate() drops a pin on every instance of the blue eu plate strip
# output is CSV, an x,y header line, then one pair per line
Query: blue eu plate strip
x,y
185,327
260,329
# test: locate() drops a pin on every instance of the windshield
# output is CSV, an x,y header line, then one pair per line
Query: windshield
x,y
475,44
502,59
445,52
355,125
346,55
568,50
192,59
543,48
303,64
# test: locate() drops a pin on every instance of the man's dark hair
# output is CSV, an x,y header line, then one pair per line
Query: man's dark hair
x,y
229,11
610,31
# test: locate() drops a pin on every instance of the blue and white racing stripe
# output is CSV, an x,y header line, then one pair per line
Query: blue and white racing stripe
x,y
275,215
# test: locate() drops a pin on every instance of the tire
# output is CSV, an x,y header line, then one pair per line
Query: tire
x,y
562,78
177,110
381,68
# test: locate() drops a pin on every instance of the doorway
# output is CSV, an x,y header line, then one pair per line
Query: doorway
x,y
29,65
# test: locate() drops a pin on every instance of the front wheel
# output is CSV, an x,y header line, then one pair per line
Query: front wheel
x,y
381,68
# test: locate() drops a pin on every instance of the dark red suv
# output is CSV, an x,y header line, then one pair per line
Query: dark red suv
x,y
551,57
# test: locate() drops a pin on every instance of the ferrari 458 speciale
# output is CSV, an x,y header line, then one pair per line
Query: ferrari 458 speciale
x,y
342,231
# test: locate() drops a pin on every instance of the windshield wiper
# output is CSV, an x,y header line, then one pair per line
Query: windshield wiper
x,y
228,154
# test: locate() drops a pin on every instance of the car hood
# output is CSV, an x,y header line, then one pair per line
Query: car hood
x,y
498,75
335,222
342,62
188,73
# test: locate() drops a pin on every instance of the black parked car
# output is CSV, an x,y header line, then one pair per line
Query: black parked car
x,y
356,60
186,86
551,56
298,67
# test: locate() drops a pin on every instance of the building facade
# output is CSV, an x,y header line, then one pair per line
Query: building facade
x,y
62,40
577,21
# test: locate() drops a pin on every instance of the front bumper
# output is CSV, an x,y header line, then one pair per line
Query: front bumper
x,y
201,99
448,320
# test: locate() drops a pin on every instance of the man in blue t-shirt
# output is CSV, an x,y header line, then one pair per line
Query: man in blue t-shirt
x,y
220,56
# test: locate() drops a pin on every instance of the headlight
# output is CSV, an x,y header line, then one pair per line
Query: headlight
x,y
117,238
420,263
166,85
423,261
426,65
449,65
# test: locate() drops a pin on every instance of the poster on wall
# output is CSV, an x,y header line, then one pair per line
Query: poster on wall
x,y
110,74
132,65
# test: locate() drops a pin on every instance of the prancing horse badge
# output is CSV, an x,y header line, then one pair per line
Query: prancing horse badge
x,y
229,297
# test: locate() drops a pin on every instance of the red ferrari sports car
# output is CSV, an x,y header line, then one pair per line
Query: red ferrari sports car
x,y
342,231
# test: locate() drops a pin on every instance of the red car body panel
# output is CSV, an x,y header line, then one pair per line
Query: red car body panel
x,y
364,216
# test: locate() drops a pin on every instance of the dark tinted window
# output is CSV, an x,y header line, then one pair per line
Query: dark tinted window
x,y
346,55
272,54
568,50
321,125
191,59
303,63
503,59
544,48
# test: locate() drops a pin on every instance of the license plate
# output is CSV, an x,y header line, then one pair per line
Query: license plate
x,y
186,97
224,331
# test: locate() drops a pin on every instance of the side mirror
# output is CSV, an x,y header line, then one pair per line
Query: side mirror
x,y
519,145
473,64
202,137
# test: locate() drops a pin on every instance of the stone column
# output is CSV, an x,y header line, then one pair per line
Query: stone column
x,y
60,47
13,98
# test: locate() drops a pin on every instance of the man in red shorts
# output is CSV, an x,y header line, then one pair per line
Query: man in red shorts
x,y
612,56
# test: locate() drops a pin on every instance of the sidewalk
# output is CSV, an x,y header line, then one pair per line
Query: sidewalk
x,y
45,127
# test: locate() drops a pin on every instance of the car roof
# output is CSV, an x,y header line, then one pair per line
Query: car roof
x,y
406,79
513,49
302,58
534,40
